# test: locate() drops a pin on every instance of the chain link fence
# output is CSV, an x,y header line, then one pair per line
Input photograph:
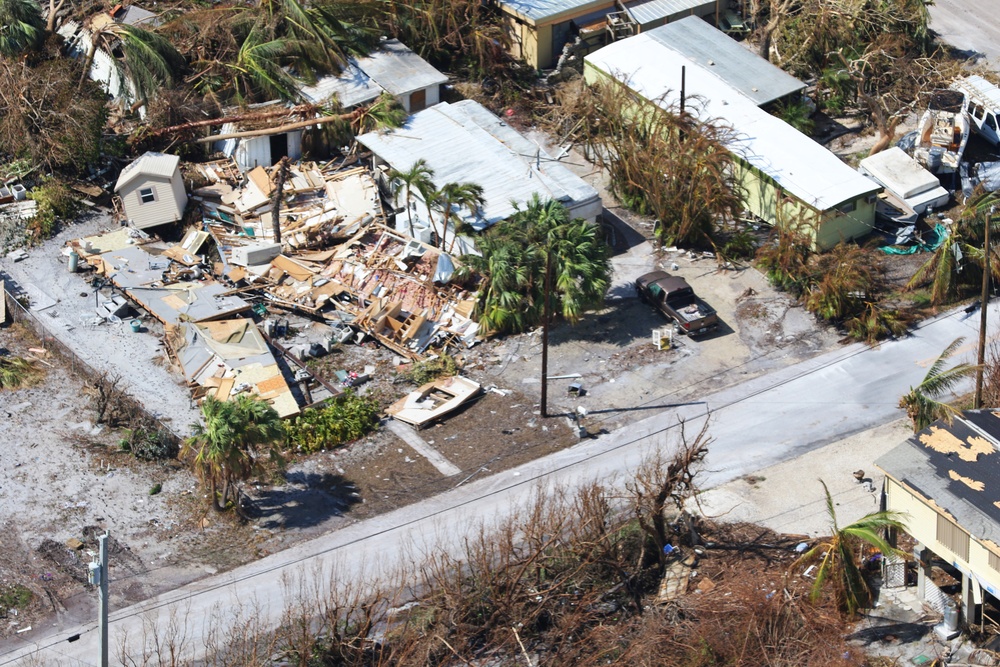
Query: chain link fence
x,y
17,311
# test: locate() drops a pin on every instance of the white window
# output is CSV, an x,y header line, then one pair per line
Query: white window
x,y
147,196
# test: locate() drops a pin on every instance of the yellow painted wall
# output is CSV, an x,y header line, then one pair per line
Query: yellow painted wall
x,y
765,199
921,523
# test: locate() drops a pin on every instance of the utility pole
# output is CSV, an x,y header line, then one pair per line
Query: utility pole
x,y
983,302
97,575
546,316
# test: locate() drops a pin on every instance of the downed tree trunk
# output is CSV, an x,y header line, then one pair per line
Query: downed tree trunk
x,y
300,110
278,130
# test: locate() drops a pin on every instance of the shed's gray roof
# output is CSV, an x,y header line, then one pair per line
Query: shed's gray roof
x,y
464,142
649,11
540,11
157,165
957,468
736,65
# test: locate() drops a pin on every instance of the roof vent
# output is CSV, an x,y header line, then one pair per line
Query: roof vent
x,y
711,62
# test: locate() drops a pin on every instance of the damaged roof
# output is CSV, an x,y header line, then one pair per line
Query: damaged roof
x,y
229,357
508,166
955,467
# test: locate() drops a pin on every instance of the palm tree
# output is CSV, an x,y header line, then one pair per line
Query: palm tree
x,y
838,555
229,447
921,403
513,266
21,26
417,177
462,195
149,61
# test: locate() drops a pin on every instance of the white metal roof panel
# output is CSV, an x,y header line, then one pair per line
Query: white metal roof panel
x,y
729,60
464,142
650,11
797,163
157,165
398,69
352,88
899,172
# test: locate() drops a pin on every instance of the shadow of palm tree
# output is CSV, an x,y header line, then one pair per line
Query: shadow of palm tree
x,y
305,500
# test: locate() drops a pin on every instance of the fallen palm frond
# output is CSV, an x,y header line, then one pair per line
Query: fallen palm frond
x,y
18,372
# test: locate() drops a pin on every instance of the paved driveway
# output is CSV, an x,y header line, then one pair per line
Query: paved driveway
x,y
969,25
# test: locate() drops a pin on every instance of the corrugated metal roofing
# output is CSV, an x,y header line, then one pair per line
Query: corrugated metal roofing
x,y
739,67
399,70
956,468
538,11
133,15
148,164
352,88
798,164
464,142
393,68
650,11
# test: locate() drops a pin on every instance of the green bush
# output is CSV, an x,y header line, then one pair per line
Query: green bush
x,y
340,421
56,202
14,596
149,444
427,371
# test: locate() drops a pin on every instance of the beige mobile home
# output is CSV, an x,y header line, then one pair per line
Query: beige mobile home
x,y
152,190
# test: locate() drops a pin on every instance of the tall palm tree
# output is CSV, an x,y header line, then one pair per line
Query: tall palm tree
x,y
416,177
231,445
462,195
21,26
513,262
921,404
838,556
149,61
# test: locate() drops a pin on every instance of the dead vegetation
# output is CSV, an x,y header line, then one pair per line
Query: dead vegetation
x,y
571,578
117,408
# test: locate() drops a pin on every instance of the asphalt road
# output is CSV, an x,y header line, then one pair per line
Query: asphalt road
x,y
754,425
969,25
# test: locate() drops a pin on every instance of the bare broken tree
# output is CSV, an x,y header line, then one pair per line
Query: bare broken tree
x,y
279,190
663,485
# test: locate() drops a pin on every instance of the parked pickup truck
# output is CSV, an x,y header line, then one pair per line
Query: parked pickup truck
x,y
673,297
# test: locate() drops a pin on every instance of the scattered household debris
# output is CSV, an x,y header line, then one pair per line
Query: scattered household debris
x,y
942,133
222,359
434,400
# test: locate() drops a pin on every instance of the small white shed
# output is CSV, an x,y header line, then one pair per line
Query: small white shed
x,y
152,190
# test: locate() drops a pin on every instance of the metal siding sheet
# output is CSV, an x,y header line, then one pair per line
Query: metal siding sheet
x,y
540,10
399,70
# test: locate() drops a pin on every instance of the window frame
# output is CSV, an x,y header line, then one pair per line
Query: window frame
x,y
143,195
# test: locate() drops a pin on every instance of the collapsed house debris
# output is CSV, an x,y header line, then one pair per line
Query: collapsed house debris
x,y
434,400
336,260
227,357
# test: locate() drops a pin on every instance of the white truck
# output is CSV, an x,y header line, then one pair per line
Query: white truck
x,y
982,101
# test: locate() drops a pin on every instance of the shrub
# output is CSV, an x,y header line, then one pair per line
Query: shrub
x,y
17,372
149,444
56,203
427,371
340,421
14,596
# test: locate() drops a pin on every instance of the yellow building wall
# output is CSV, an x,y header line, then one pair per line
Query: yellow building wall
x,y
530,43
921,522
765,199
